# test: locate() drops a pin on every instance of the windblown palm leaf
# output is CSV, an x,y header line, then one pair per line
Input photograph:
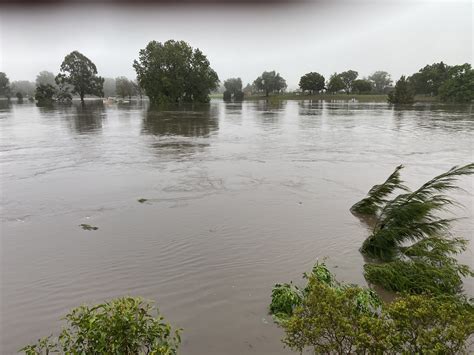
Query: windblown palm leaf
x,y
376,197
412,216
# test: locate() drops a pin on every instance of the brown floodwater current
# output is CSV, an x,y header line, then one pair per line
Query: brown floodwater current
x,y
240,196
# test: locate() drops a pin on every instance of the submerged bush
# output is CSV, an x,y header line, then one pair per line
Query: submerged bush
x,y
122,326
329,321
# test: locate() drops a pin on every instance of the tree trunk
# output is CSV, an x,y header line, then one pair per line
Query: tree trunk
x,y
82,96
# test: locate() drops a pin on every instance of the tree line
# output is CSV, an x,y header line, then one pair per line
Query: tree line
x,y
175,72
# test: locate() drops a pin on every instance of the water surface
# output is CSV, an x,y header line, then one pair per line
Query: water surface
x,y
240,196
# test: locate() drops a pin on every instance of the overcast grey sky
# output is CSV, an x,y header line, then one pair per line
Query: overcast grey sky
x,y
398,36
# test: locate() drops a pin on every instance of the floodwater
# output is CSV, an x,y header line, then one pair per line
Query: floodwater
x,y
240,196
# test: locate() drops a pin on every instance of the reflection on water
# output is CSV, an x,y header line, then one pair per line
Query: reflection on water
x,y
240,196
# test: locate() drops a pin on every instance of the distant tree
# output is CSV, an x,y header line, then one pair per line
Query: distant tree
x,y
312,82
79,71
269,82
109,87
361,86
45,77
4,85
403,92
173,71
138,90
249,89
335,83
380,79
460,86
227,96
19,96
24,87
429,78
45,93
233,85
348,78
124,87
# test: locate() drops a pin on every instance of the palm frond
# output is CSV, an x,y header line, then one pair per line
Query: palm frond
x,y
413,216
376,197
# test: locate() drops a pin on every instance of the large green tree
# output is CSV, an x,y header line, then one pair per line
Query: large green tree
x,y
348,78
270,81
429,78
80,72
312,82
233,85
361,86
173,72
4,85
335,83
460,85
380,80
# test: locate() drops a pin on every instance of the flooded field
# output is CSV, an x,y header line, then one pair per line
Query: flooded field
x,y
233,198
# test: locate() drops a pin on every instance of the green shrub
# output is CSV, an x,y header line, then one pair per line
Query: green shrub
x,y
122,326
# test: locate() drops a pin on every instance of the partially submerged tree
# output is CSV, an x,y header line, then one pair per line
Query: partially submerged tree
x,y
429,78
233,89
122,326
4,85
173,72
45,93
269,82
312,82
403,92
80,72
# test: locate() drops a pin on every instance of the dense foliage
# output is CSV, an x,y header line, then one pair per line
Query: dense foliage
x,y
333,318
4,85
121,326
411,238
403,92
361,86
124,87
270,81
312,82
460,85
80,72
233,89
173,72
45,93
429,78
335,83
380,81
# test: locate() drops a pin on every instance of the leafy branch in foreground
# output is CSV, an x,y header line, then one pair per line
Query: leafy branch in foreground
x,y
413,240
121,326
412,216
377,195
329,321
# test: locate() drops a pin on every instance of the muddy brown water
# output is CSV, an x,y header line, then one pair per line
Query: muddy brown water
x,y
239,197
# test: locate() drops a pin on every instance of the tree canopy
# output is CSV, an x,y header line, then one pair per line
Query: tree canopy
x,y
270,81
124,87
429,78
45,78
173,72
4,85
233,85
361,86
335,83
80,72
403,92
459,87
312,82
348,78
380,80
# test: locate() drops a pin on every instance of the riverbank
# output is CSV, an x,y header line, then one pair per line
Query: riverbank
x,y
328,97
